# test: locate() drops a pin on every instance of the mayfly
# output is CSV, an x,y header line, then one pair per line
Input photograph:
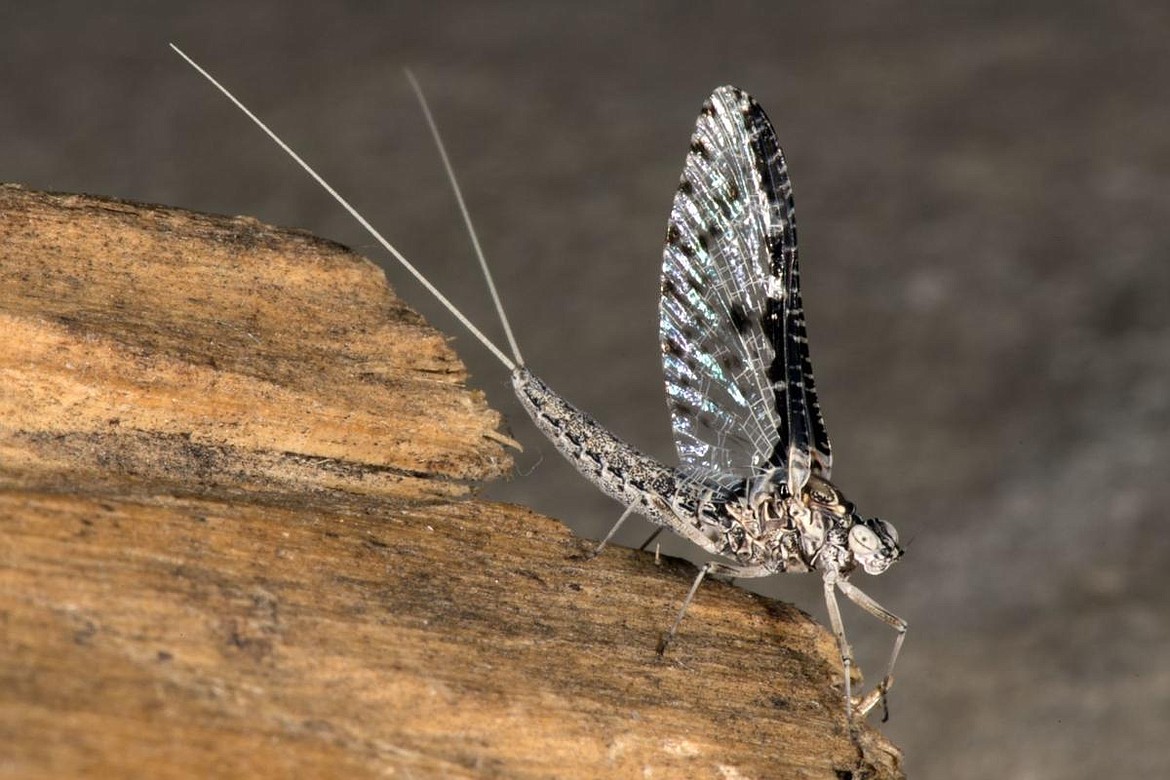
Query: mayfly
x,y
753,485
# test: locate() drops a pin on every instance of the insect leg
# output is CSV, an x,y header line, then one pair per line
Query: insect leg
x,y
629,511
620,521
842,644
861,599
717,569
653,536
668,637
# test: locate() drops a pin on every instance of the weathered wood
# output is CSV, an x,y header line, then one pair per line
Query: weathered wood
x,y
155,347
232,472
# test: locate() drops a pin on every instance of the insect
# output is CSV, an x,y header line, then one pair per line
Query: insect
x,y
753,484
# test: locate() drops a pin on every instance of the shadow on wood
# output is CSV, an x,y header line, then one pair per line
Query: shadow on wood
x,y
237,540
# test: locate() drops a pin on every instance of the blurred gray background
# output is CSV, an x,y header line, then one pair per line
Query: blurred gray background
x,y
983,192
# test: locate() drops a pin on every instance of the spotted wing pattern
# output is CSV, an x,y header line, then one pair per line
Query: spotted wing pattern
x,y
739,382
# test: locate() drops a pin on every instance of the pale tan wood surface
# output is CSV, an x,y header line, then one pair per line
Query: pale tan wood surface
x,y
237,541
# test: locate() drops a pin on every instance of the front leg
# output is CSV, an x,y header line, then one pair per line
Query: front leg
x,y
838,626
861,599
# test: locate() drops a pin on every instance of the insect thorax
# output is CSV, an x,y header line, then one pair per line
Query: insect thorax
x,y
760,523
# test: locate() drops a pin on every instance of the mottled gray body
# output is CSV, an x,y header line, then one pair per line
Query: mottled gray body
x,y
753,481
710,516
753,484
763,533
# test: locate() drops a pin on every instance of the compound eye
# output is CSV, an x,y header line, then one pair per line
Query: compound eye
x,y
889,530
863,540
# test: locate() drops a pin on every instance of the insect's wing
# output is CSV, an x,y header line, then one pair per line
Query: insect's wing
x,y
739,383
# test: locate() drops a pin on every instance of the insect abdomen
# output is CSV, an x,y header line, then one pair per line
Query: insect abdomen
x,y
622,472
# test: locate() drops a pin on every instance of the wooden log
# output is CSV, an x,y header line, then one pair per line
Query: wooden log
x,y
237,540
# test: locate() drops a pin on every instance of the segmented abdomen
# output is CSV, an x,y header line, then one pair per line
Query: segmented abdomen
x,y
622,472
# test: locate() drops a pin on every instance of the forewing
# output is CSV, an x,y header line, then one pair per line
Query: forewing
x,y
739,382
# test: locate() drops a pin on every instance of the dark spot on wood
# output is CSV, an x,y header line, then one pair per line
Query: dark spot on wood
x,y
685,187
699,149
532,576
672,233
733,191
82,635
702,237
668,287
678,407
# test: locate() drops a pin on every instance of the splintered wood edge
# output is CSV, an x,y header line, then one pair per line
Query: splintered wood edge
x,y
258,612
151,347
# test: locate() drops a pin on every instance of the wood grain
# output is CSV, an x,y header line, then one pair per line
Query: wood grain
x,y
238,540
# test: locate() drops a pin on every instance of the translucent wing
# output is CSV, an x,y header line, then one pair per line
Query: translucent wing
x,y
739,383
